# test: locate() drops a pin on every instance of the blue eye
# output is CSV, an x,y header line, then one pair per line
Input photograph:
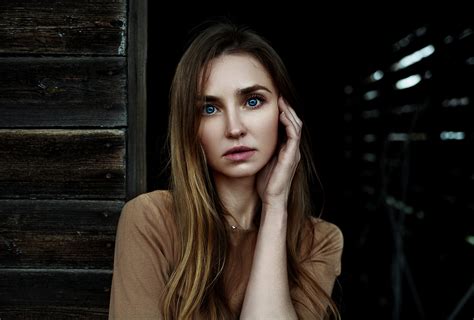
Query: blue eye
x,y
254,102
208,109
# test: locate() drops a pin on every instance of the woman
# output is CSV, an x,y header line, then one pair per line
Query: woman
x,y
234,236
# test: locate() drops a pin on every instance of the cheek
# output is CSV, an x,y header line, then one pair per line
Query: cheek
x,y
203,138
269,131
206,138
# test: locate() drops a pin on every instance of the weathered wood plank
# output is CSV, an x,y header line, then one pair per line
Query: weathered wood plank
x,y
54,293
76,250
59,215
52,312
137,94
63,27
63,249
58,233
46,92
57,163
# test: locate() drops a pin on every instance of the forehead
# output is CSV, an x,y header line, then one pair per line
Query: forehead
x,y
233,71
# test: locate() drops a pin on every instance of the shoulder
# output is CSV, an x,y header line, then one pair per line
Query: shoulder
x,y
320,248
323,241
148,211
326,234
154,201
156,197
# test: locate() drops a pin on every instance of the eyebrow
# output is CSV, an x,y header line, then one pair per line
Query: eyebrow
x,y
240,92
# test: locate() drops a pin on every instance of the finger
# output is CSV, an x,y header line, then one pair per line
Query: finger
x,y
283,105
291,113
295,116
286,109
290,151
298,122
290,128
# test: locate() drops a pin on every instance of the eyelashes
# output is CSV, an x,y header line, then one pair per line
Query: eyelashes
x,y
252,102
208,109
255,101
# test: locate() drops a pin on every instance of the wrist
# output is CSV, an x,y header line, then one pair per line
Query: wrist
x,y
278,203
277,206
275,214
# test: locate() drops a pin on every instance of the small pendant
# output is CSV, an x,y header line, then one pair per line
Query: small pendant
x,y
233,227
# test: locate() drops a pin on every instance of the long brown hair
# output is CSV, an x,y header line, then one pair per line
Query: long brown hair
x,y
195,285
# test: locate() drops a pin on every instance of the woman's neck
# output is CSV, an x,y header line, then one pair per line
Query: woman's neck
x,y
240,197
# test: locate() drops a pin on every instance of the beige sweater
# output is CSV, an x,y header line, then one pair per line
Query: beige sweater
x,y
147,248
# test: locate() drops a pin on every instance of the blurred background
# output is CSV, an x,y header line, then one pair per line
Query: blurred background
x,y
389,104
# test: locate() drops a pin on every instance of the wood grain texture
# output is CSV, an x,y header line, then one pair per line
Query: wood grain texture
x,y
54,293
63,92
137,97
61,164
58,233
65,132
63,27
78,249
53,312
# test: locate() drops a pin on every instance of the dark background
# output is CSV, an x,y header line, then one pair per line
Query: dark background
x,y
395,266
321,56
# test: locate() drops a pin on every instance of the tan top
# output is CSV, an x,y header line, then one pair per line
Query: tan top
x,y
147,248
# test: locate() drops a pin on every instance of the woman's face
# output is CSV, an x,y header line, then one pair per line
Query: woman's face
x,y
240,110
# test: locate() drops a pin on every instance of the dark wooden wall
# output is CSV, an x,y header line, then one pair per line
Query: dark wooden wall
x,y
71,113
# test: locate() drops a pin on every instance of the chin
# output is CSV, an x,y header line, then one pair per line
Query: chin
x,y
240,171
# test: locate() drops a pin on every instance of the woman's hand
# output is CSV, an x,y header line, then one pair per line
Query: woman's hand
x,y
274,180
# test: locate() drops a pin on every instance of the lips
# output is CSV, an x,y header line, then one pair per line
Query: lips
x,y
239,153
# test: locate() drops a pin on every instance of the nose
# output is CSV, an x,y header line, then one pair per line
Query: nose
x,y
235,127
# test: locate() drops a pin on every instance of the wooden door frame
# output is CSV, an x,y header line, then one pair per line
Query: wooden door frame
x,y
137,46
